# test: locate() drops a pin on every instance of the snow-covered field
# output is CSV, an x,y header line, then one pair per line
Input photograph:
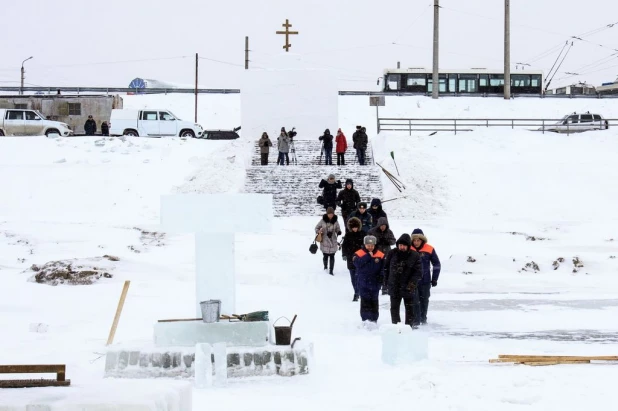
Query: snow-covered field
x,y
478,195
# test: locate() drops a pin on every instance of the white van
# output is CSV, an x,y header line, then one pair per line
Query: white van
x,y
151,123
18,122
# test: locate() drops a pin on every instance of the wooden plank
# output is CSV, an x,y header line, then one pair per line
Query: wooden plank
x,y
541,363
560,357
180,319
33,383
528,360
32,369
123,296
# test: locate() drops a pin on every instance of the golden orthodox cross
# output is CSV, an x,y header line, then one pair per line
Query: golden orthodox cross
x,y
287,33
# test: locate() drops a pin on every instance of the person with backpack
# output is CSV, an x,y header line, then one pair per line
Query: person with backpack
x,y
352,242
341,147
328,228
327,140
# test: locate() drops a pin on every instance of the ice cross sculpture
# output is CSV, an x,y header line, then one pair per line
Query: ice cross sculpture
x,y
215,218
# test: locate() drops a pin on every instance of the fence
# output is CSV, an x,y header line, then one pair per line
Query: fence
x,y
468,124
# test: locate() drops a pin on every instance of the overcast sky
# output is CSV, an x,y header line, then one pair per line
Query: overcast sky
x,y
108,43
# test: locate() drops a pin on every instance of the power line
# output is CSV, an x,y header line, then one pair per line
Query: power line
x,y
413,22
111,62
222,62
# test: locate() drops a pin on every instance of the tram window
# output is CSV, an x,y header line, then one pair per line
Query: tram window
x,y
496,80
442,85
452,84
416,80
483,80
393,81
519,80
535,81
468,83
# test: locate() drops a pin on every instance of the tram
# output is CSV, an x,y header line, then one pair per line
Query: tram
x,y
473,81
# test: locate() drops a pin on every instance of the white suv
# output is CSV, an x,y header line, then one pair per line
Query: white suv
x,y
16,122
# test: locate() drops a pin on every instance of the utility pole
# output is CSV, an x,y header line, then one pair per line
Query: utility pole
x,y
196,78
246,52
507,49
435,87
23,76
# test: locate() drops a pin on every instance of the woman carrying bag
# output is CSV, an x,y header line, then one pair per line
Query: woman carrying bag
x,y
328,229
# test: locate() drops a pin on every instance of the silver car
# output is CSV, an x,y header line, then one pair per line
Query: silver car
x,y
577,123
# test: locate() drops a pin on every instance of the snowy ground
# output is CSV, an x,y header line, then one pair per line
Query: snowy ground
x,y
69,198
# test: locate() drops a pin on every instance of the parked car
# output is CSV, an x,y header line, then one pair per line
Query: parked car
x,y
577,123
14,122
221,134
151,123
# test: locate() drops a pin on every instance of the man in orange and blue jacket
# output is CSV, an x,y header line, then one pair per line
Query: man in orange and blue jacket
x,y
429,258
369,262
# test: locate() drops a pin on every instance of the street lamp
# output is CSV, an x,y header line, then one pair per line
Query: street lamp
x,y
23,72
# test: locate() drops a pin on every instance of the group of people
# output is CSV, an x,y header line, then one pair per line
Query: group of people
x,y
285,143
90,127
406,272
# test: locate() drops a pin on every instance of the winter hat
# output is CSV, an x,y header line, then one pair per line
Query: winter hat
x,y
350,182
358,127
330,210
354,222
331,176
418,233
376,202
362,205
327,131
369,239
382,221
405,240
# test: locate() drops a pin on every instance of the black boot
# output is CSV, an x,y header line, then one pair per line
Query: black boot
x,y
355,298
325,261
331,272
332,264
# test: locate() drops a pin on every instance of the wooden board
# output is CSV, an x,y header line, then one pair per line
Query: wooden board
x,y
542,363
33,383
557,357
527,360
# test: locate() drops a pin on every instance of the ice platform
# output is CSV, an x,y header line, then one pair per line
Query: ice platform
x,y
234,334
102,395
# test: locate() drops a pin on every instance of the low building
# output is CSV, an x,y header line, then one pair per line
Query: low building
x,y
578,89
609,88
73,110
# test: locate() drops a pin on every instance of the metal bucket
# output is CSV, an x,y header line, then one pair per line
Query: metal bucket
x,y
283,334
211,310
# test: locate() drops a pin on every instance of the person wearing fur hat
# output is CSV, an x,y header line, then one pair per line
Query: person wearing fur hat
x,y
429,258
352,242
369,263
386,239
375,209
341,147
328,226
402,273
348,199
362,214
327,140
265,145
329,191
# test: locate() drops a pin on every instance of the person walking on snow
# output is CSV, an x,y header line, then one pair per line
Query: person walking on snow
x,y
369,264
375,209
348,199
429,257
327,140
328,226
362,214
352,242
385,239
361,144
329,191
402,273
342,146
355,141
283,144
265,145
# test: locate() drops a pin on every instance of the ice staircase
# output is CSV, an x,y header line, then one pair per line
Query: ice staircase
x,y
295,187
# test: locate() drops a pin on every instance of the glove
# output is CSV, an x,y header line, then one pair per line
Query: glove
x,y
344,257
434,283
411,287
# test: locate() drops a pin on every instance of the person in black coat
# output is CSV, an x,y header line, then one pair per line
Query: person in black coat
x,y
402,273
348,199
352,242
90,127
104,128
362,214
375,209
329,191
327,139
